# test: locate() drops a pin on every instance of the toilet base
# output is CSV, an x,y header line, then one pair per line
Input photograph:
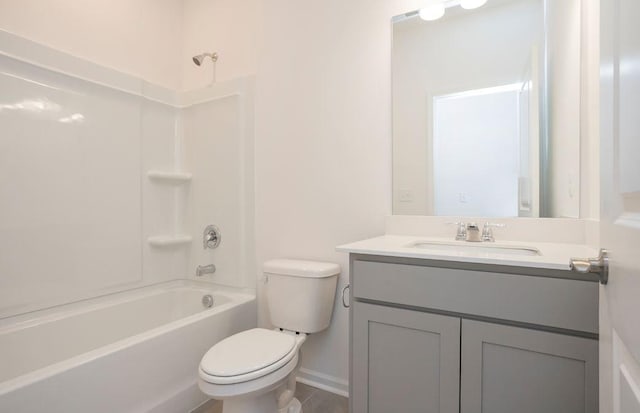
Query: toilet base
x,y
294,407
265,403
262,404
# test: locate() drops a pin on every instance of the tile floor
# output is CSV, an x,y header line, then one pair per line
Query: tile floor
x,y
313,401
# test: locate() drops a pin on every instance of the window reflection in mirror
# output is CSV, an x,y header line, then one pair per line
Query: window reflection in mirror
x,y
486,110
481,125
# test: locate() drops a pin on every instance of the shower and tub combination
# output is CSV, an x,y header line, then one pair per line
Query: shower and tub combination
x,y
116,178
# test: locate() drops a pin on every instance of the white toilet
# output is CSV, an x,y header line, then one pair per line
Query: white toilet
x,y
255,371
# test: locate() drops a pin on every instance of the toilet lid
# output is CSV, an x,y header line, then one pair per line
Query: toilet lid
x,y
247,352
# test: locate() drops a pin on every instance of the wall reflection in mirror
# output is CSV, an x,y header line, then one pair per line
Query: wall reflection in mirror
x,y
486,109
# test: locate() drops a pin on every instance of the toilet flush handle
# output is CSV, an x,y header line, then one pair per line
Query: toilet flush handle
x,y
344,301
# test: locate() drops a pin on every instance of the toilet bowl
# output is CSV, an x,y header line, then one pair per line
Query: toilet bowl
x,y
255,371
251,364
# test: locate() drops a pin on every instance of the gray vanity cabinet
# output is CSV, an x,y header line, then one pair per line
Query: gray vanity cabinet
x,y
509,369
404,361
447,337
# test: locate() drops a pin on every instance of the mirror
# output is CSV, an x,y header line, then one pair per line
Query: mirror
x,y
486,109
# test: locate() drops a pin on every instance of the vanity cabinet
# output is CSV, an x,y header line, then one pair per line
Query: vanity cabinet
x,y
404,361
509,369
431,336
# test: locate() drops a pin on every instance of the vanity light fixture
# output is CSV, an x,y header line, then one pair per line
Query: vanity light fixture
x,y
472,4
432,11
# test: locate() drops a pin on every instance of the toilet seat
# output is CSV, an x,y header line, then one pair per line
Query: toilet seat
x,y
247,356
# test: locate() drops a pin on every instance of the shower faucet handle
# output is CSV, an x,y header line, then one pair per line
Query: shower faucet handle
x,y
211,237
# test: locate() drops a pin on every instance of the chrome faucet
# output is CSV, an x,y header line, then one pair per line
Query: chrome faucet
x,y
470,231
205,269
473,232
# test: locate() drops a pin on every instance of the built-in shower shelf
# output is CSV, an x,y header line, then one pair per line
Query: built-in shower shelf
x,y
171,178
169,240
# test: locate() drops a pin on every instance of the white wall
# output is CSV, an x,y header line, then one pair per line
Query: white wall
x,y
323,142
227,27
142,37
151,39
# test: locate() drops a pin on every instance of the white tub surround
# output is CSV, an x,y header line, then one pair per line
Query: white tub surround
x,y
128,352
60,142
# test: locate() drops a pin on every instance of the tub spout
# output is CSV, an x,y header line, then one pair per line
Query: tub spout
x,y
205,269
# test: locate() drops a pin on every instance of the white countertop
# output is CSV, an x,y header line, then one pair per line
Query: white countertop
x,y
552,256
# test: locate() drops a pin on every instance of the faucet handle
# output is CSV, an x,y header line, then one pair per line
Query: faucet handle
x,y
461,234
487,231
211,237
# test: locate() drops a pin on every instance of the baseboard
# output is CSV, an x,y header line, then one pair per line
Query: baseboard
x,y
323,381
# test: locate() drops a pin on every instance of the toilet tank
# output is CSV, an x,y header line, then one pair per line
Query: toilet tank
x,y
300,294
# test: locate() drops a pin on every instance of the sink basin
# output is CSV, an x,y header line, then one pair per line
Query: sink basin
x,y
470,247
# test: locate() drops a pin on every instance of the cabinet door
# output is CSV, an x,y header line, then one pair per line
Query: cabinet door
x,y
510,369
404,361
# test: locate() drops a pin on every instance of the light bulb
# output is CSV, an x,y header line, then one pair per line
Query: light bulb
x,y
432,11
472,4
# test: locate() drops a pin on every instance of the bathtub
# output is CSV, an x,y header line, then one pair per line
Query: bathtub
x,y
136,351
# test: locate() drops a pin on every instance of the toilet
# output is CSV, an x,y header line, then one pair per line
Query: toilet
x,y
255,371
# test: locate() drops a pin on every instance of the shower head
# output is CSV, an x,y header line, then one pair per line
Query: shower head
x,y
200,58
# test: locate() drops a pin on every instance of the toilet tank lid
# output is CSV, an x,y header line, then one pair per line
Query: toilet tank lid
x,y
301,268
